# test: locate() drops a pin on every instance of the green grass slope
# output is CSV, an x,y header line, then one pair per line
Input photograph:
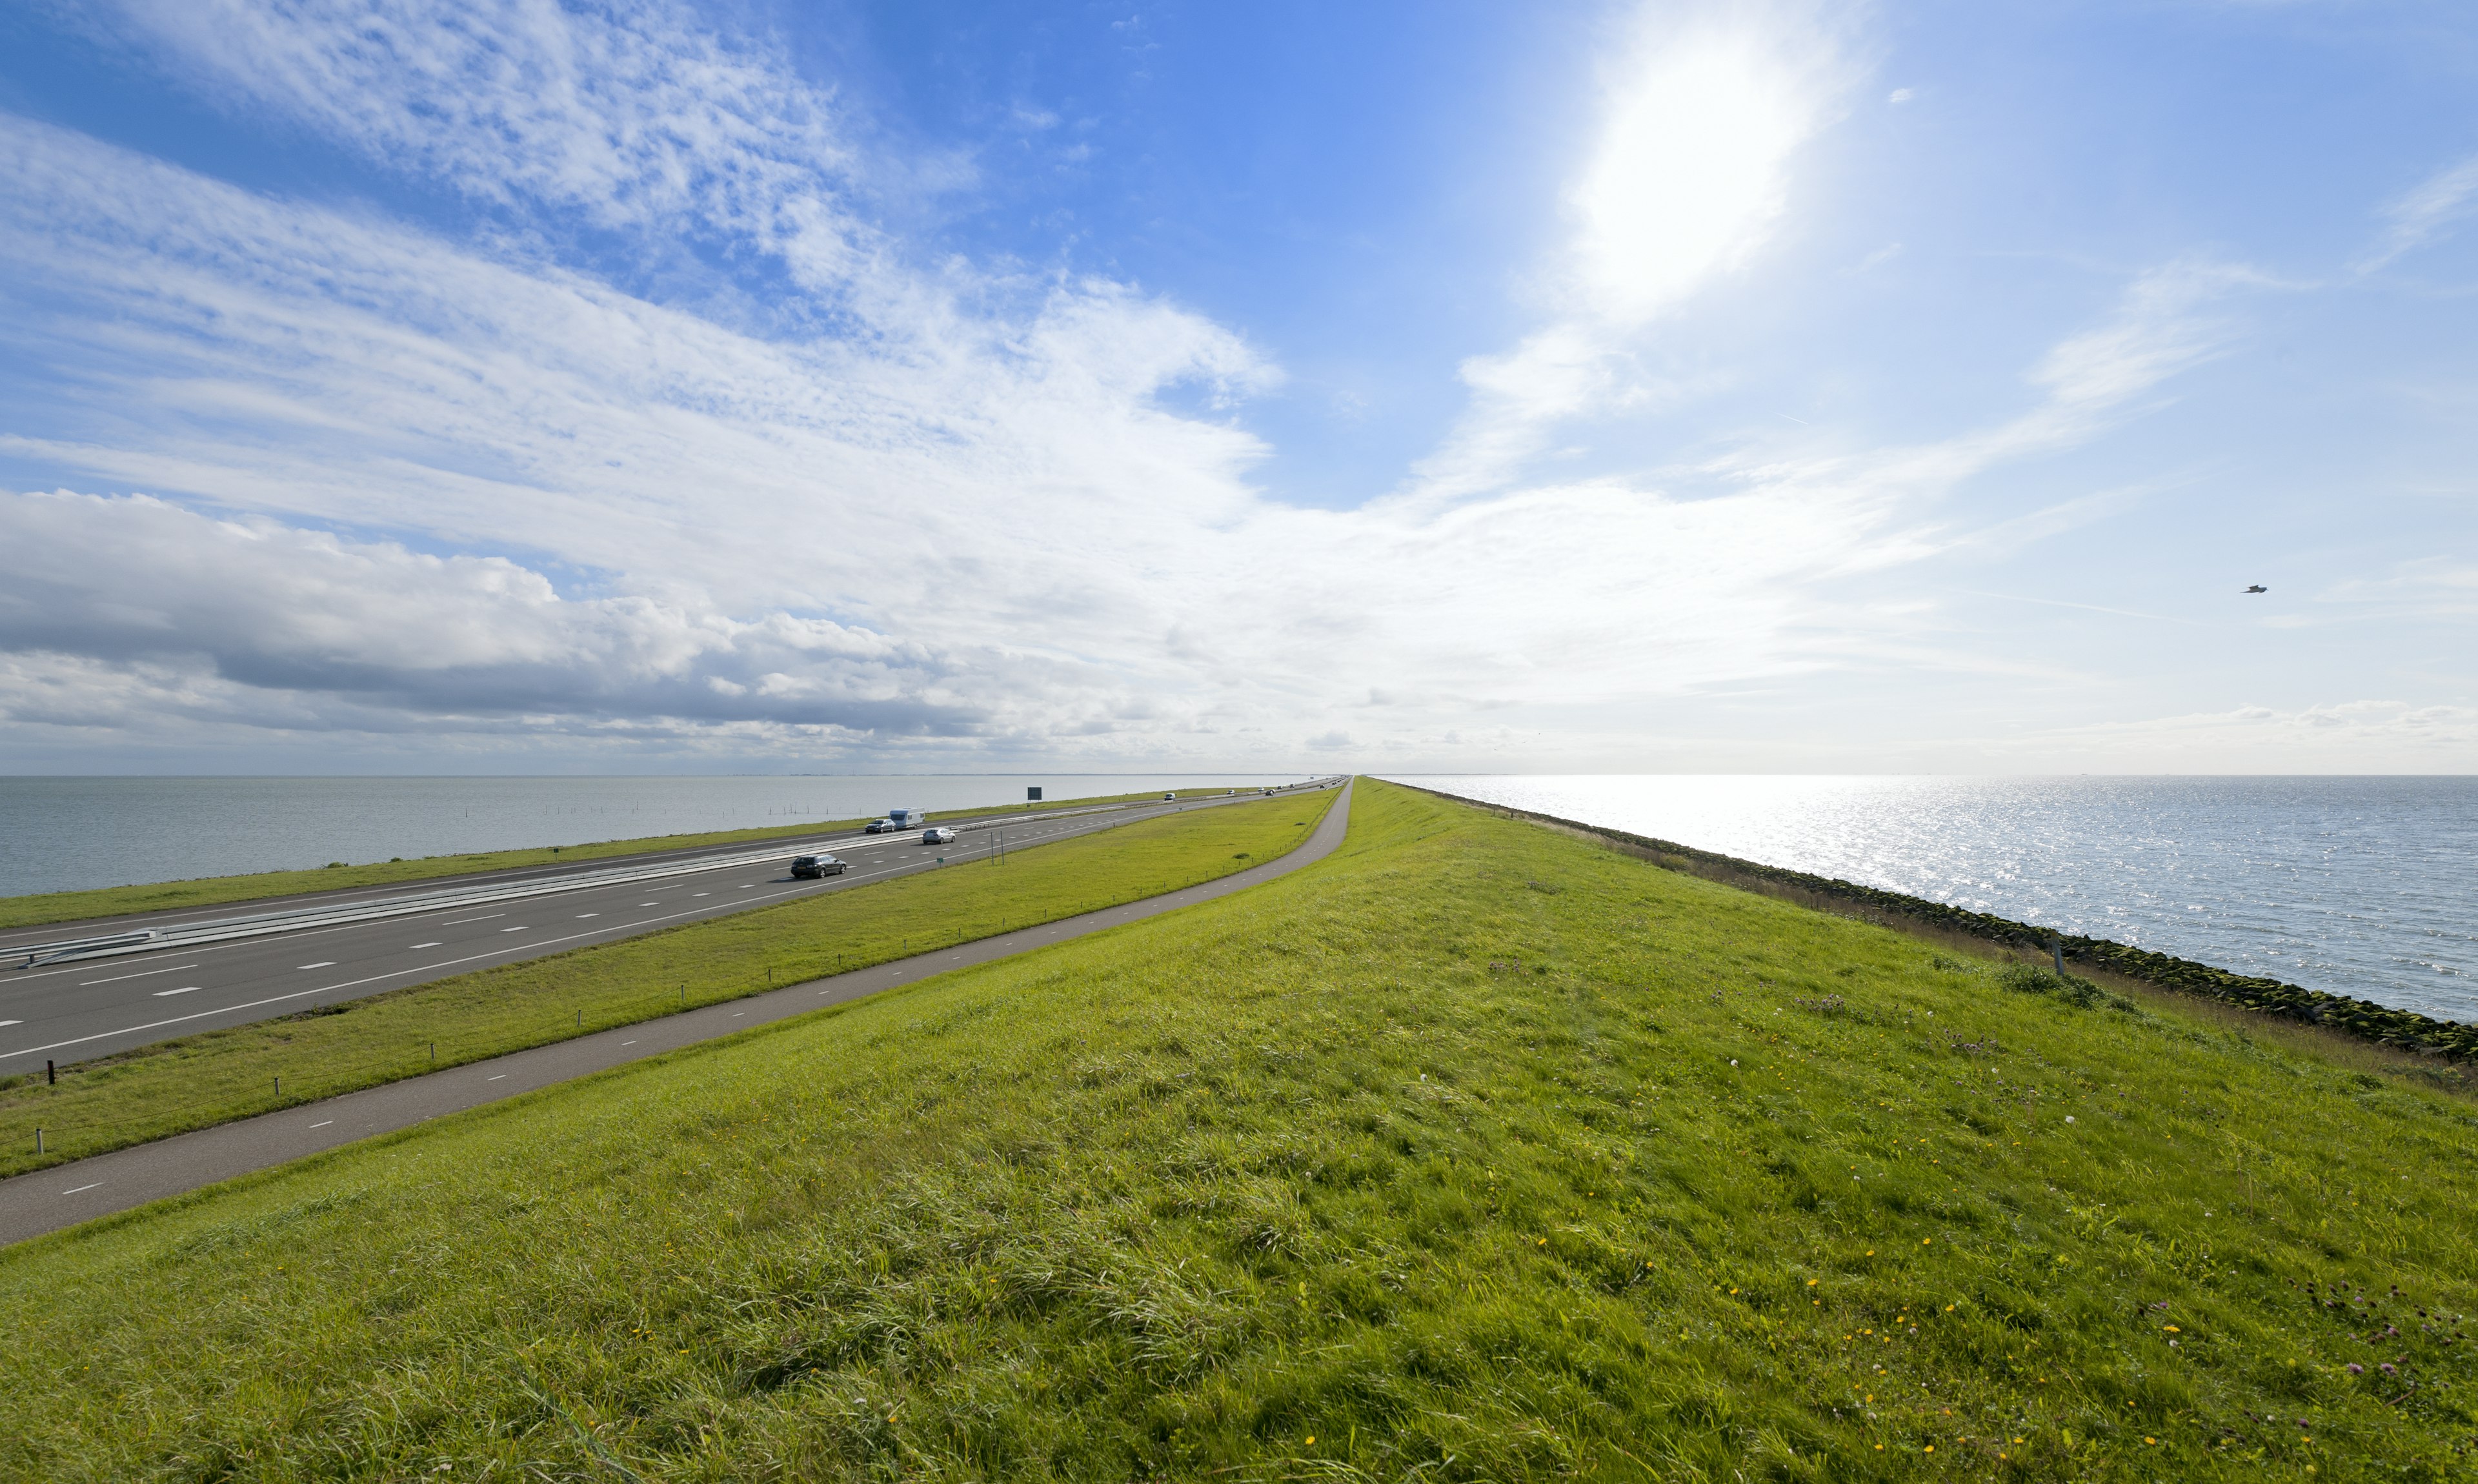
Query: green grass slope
x,y
1471,1152
217,1077
261,885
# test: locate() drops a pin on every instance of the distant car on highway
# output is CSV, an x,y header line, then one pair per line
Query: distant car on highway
x,y
880,827
1170,796
808,868
938,835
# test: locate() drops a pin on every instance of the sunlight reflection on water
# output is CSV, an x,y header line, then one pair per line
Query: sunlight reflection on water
x,y
2358,886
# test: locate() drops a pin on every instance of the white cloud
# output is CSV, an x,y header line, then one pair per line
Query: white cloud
x,y
414,486
281,622
633,115
2423,214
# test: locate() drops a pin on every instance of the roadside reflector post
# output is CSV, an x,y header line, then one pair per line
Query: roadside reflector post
x,y
2057,947
49,1075
38,1139
434,1053
279,1087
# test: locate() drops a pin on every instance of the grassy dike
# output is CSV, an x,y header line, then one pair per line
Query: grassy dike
x,y
217,1077
261,885
1474,1151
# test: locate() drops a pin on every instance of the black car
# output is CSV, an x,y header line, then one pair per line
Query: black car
x,y
806,868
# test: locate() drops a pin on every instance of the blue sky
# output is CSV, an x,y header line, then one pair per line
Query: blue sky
x,y
501,385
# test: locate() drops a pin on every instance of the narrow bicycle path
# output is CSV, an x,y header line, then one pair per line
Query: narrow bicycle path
x,y
48,1200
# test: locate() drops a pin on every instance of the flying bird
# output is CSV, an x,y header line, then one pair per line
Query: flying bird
x,y
2258,587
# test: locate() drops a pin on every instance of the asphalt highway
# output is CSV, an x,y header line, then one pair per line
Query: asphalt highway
x,y
82,1009
48,1200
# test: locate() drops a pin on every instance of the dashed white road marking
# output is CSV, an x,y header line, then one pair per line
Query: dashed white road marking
x,y
891,868
518,928
321,963
495,1078
168,968
582,916
322,1124
628,1042
187,989
80,1188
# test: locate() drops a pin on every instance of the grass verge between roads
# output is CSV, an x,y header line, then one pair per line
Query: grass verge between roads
x,y
1474,1151
216,890
217,1077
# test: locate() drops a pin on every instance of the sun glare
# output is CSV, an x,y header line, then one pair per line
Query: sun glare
x,y
1688,173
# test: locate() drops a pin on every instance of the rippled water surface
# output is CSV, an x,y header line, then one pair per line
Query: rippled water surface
x,y
65,834
2359,886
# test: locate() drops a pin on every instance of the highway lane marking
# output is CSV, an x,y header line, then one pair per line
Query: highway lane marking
x,y
187,989
141,974
518,928
321,963
348,984
513,873
346,927
582,916
704,893
322,1124
431,945
852,842
628,1042
11,1023
501,1076
649,904
324,988
80,1188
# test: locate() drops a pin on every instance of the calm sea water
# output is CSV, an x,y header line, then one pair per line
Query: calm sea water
x,y
2359,886
65,834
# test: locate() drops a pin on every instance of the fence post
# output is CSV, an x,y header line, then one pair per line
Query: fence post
x,y
2057,947
49,1075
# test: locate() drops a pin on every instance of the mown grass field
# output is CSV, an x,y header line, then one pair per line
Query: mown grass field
x,y
1470,1153
217,1077
260,885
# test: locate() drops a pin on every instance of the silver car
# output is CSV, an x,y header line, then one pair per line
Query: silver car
x,y
938,835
